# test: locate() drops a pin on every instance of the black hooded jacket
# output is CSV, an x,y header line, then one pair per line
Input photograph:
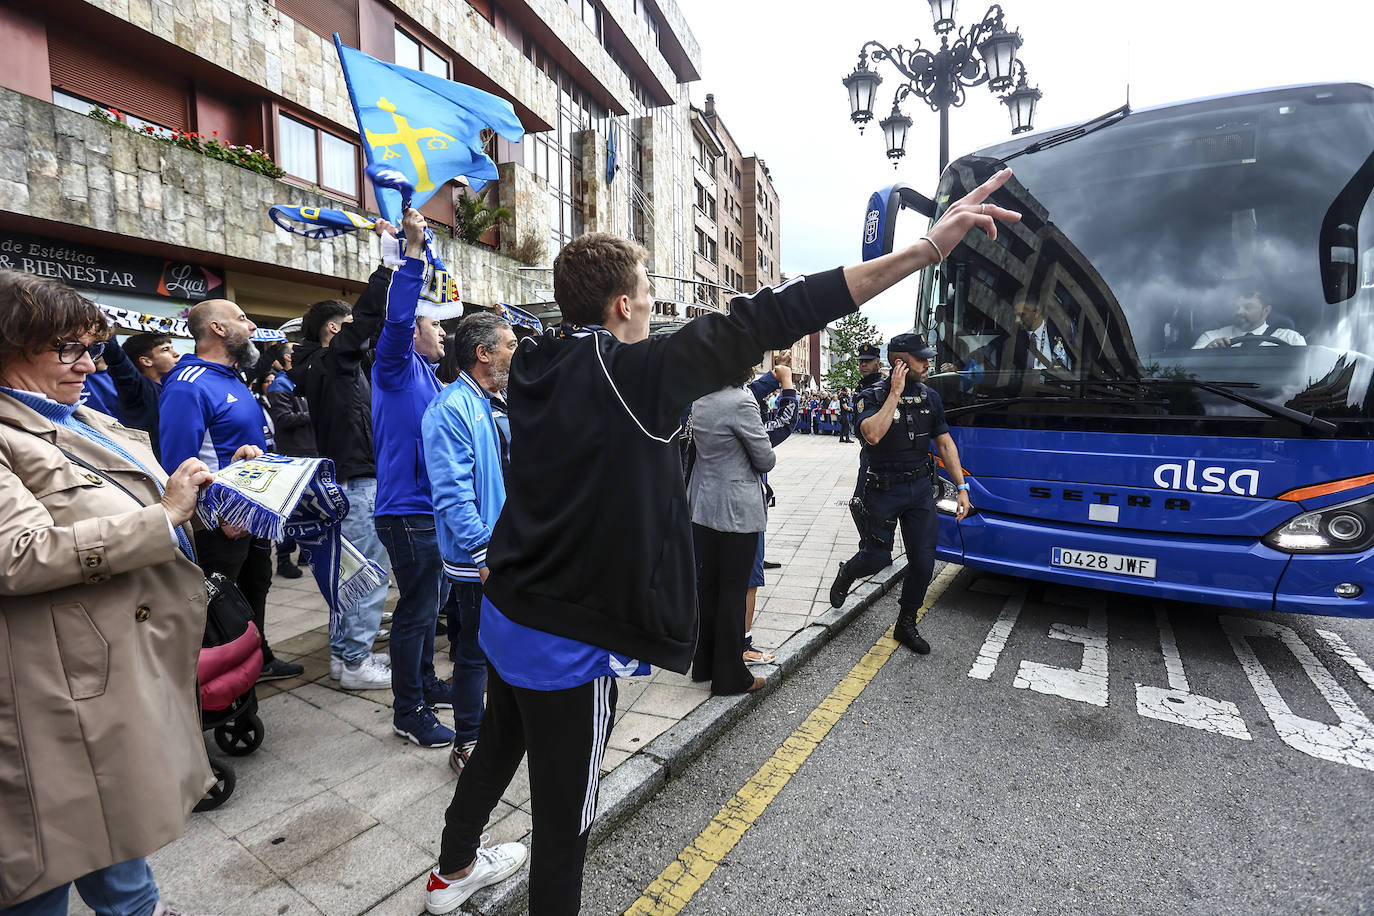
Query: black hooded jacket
x,y
594,541
336,382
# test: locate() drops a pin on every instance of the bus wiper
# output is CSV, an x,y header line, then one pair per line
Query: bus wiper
x,y
1227,390
1073,133
1003,402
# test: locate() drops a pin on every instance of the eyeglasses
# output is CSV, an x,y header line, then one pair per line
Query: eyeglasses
x,y
70,351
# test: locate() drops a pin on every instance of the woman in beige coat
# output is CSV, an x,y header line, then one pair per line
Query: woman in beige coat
x,y
101,616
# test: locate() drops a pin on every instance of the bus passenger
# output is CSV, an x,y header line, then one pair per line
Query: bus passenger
x,y
1038,344
1251,320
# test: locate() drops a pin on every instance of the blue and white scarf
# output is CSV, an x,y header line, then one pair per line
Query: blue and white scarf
x,y
275,497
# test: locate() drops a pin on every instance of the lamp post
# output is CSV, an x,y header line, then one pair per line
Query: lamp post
x,y
985,53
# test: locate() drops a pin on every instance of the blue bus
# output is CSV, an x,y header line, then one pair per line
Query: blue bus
x,y
1160,379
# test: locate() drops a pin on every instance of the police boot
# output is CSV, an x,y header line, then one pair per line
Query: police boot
x,y
840,587
905,633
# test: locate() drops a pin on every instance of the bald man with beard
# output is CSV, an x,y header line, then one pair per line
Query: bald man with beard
x,y
207,412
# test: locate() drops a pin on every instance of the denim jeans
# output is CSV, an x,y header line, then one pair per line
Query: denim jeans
x,y
358,626
125,889
470,667
414,549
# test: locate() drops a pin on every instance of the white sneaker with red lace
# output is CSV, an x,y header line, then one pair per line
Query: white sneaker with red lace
x,y
492,865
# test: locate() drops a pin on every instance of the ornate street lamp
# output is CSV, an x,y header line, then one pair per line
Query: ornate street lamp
x,y
1021,103
863,88
986,53
894,128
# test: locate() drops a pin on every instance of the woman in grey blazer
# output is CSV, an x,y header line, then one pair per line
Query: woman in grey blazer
x,y
725,492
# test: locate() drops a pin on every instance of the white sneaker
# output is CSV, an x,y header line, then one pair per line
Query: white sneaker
x,y
495,864
336,663
370,675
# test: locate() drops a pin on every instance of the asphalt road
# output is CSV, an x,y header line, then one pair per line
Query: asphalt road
x,y
1016,771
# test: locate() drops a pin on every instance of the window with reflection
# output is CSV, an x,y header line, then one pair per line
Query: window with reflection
x,y
1209,260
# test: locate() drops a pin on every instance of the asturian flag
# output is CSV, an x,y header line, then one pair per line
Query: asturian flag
x,y
426,127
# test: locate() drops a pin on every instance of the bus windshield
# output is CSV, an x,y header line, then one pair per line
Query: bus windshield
x,y
1202,268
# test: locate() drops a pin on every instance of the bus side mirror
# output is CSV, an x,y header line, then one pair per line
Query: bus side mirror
x,y
1339,237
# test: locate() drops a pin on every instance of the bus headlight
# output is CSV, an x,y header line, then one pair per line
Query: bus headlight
x,y
947,497
1344,528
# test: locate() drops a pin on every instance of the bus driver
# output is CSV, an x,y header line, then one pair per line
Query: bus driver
x,y
1251,320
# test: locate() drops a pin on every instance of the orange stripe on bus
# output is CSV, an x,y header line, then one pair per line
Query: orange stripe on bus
x,y
1322,489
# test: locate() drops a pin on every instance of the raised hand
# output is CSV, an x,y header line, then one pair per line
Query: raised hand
x,y
969,211
413,224
898,379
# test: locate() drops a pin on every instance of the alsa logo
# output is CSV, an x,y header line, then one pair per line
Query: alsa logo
x,y
871,227
1245,481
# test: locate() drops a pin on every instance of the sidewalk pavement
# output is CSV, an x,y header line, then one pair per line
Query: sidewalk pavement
x,y
334,814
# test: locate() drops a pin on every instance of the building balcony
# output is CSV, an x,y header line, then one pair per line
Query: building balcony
x,y
70,177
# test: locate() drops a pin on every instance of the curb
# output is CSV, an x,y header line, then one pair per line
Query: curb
x,y
626,787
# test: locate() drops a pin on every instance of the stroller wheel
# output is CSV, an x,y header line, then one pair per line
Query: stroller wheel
x,y
223,788
240,737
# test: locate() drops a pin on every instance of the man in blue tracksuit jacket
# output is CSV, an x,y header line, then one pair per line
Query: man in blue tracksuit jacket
x,y
205,411
462,443
403,384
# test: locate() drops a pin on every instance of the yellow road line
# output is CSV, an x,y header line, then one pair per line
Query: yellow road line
x,y
689,872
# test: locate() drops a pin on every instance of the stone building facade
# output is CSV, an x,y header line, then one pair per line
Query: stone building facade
x,y
600,87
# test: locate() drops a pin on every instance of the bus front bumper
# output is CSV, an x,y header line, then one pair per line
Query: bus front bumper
x,y
1227,571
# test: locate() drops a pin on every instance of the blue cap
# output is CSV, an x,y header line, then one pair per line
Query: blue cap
x,y
912,343
868,351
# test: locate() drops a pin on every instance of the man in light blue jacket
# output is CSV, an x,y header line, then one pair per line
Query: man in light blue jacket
x,y
463,458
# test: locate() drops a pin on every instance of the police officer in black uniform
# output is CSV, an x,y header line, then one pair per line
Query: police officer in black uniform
x,y
870,374
899,419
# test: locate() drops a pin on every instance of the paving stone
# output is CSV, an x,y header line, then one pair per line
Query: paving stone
x,y
354,877
206,871
275,900
299,835
266,786
637,729
670,701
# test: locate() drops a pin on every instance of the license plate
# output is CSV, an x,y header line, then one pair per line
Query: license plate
x,y
1143,567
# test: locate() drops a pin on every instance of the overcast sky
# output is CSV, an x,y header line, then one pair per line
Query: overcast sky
x,y
775,68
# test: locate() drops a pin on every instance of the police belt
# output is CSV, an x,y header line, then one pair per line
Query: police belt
x,y
888,476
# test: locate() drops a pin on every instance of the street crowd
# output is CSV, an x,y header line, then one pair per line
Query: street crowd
x,y
571,507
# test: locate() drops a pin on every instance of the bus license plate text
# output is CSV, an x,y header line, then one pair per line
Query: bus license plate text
x,y
1143,567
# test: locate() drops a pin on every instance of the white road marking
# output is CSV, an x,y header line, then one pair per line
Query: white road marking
x,y
1177,703
992,648
1350,742
1342,648
1087,683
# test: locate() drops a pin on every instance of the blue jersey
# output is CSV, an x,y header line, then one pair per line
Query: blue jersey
x,y
99,394
536,660
403,385
207,412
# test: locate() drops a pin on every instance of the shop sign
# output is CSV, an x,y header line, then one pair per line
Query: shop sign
x,y
100,268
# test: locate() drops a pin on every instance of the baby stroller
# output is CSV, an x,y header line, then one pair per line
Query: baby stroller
x,y
228,667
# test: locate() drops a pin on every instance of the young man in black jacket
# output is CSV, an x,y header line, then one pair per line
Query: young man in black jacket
x,y
589,570
332,369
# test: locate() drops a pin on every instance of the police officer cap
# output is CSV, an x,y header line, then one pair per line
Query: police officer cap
x,y
868,351
912,343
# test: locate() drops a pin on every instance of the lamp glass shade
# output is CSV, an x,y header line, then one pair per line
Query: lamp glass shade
x,y
1021,106
894,128
998,52
942,11
863,87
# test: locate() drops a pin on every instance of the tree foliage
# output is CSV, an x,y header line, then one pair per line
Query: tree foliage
x,y
846,336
